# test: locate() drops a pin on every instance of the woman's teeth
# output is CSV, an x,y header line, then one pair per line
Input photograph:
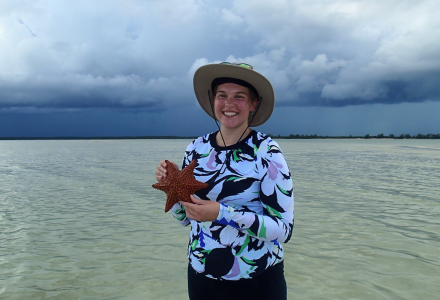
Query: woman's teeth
x,y
230,114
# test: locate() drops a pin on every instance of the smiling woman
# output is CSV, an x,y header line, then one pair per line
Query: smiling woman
x,y
240,220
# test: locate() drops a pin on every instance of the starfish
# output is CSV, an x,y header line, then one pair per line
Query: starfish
x,y
179,185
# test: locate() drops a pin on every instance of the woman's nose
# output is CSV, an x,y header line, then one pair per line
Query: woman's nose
x,y
229,100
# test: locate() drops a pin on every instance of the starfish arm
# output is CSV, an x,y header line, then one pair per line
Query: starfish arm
x,y
171,200
163,186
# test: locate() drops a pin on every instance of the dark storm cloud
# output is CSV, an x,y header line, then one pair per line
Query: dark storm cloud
x,y
87,91
142,54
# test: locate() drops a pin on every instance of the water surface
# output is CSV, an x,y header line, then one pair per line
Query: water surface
x,y
79,220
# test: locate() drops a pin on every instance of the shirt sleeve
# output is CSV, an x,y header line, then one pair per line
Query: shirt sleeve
x,y
177,210
276,196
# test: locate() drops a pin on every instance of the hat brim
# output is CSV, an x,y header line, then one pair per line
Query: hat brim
x,y
204,76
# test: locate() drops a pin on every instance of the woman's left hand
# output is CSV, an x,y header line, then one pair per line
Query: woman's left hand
x,y
201,210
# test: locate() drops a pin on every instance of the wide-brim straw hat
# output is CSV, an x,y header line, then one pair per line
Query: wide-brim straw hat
x,y
204,76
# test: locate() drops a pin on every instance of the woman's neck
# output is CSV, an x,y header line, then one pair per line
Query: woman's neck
x,y
231,136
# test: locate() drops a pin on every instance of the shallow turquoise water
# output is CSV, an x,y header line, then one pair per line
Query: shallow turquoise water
x,y
79,220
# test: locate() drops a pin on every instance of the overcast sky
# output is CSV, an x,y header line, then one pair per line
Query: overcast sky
x,y
125,67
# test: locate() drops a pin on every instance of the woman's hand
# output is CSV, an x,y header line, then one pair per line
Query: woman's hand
x,y
161,170
202,210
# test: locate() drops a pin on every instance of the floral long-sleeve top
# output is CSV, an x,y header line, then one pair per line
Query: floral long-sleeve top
x,y
253,185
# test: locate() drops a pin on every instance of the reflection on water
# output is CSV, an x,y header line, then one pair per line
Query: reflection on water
x,y
79,220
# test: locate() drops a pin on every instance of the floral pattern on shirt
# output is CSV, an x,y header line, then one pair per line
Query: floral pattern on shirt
x,y
253,185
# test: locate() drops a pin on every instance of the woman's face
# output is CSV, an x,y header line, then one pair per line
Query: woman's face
x,y
232,105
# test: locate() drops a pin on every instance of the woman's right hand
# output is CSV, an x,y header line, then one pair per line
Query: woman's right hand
x,y
161,170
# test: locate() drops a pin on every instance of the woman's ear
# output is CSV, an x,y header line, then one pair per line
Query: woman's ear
x,y
254,105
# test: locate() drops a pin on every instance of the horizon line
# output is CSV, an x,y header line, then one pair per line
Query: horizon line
x,y
291,136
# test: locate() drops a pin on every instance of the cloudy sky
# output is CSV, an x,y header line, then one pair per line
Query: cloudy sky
x,y
125,67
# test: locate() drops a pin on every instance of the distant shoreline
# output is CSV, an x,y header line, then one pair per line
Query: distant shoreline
x,y
291,136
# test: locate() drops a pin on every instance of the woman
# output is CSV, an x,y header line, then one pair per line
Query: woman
x,y
239,221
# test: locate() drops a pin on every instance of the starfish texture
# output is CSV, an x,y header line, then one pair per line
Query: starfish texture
x,y
179,185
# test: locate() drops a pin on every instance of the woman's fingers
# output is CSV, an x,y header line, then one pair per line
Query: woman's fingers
x,y
161,171
201,210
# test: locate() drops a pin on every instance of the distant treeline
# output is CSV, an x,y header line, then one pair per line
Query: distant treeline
x,y
291,136
367,136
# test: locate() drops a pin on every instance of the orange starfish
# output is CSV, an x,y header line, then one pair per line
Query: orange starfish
x,y
179,185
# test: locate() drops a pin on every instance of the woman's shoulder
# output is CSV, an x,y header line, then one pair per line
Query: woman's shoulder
x,y
260,139
265,143
262,136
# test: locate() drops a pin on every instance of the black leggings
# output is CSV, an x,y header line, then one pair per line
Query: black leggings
x,y
271,284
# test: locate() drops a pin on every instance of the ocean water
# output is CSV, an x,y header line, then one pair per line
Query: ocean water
x,y
79,220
